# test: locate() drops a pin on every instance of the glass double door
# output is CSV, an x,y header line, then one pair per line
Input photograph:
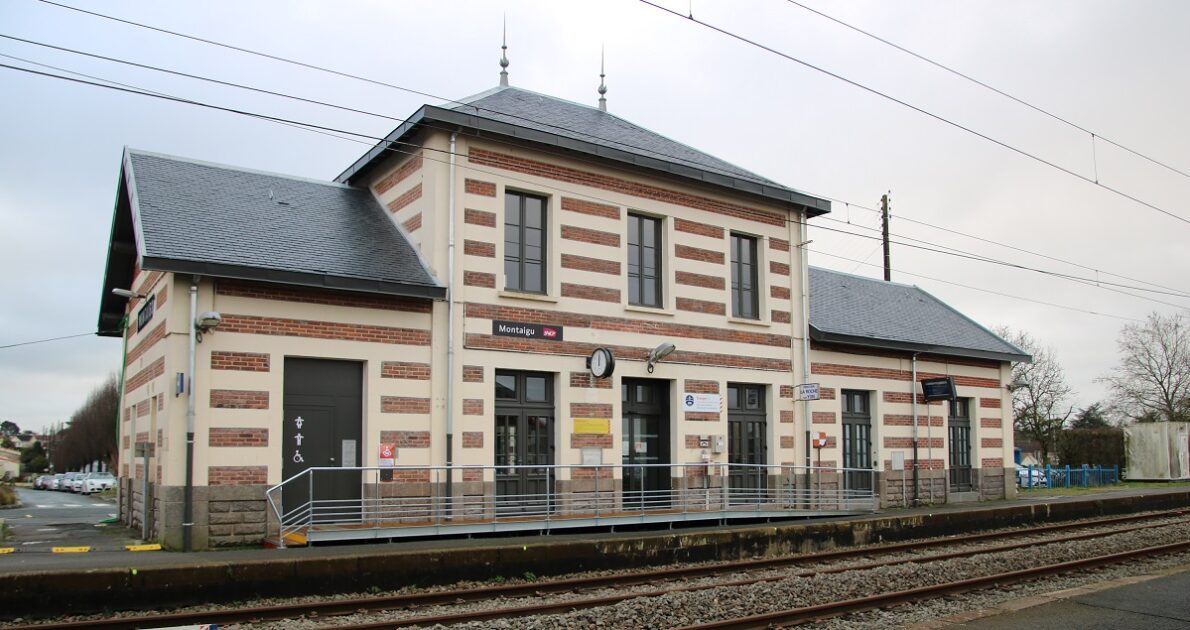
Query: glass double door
x,y
524,447
645,443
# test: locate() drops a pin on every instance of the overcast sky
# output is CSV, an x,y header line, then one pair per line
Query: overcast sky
x,y
1118,69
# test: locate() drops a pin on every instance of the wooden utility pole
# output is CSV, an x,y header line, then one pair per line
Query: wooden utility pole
x,y
884,221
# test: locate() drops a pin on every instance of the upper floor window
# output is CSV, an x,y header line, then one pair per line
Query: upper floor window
x,y
644,260
745,297
960,410
524,242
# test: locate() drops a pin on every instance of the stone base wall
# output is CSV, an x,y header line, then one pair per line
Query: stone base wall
x,y
224,516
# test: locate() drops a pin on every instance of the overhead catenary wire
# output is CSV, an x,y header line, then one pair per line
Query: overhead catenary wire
x,y
332,131
37,341
419,92
920,110
953,251
1094,136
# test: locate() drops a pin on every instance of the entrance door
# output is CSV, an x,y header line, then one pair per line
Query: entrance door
x,y
960,444
524,442
857,440
323,411
645,435
747,447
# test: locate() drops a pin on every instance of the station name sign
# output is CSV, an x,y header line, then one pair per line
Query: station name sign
x,y
526,331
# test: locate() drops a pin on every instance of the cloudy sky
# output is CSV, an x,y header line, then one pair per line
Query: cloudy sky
x,y
1117,69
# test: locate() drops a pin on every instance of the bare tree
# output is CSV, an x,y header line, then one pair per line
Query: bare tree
x,y
1152,381
1039,407
91,434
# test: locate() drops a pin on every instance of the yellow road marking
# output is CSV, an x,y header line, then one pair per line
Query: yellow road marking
x,y
143,547
71,549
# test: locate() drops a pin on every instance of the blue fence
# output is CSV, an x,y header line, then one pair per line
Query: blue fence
x,y
1066,476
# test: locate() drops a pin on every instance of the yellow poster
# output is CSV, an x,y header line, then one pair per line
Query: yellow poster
x,y
593,426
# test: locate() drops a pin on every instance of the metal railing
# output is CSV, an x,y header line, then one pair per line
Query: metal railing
x,y
1067,476
411,500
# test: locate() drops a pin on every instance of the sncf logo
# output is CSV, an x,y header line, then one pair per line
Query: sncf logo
x,y
549,333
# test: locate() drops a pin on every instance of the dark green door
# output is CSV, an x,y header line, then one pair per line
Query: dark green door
x,y
524,447
645,435
747,446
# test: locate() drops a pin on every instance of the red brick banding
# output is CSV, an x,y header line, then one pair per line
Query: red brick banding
x,y
411,475
240,361
787,391
406,439
262,291
590,472
472,373
590,440
237,475
779,244
405,370
906,420
479,217
702,416
472,439
162,296
990,423
482,249
700,306
779,292
411,166
826,393
472,474
586,381
251,324
694,227
481,188
699,280
584,292
412,224
907,442
823,417
405,198
834,369
218,436
155,369
150,339
786,441
780,317
587,235
472,406
693,441
239,399
698,386
404,404
698,253
597,265
479,279
902,397
590,410
922,358
590,207
988,403
627,353
992,462
991,442
788,416
483,157
778,268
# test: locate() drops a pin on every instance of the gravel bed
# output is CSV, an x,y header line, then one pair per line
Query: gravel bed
x,y
314,623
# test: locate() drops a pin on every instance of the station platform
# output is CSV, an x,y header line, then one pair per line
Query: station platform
x,y
81,582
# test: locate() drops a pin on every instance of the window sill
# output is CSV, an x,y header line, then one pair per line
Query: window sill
x,y
749,322
534,297
647,309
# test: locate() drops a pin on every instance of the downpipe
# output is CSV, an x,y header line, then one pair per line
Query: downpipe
x,y
188,495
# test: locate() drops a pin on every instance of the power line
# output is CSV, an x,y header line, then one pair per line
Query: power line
x,y
981,289
915,108
953,251
29,343
402,120
972,79
331,131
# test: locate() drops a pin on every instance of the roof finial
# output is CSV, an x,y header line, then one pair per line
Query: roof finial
x,y
504,55
602,83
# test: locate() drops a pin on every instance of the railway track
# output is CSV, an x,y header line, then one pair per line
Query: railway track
x,y
676,580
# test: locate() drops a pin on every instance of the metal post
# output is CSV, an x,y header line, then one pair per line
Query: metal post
x,y
188,499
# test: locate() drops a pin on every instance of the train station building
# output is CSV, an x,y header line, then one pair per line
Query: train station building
x,y
519,305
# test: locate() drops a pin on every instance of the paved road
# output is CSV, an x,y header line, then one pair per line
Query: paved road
x,y
49,518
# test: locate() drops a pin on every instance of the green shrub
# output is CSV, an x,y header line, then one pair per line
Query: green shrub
x,y
8,496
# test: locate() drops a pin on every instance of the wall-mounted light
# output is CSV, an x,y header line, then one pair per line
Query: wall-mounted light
x,y
206,322
1015,385
128,294
658,353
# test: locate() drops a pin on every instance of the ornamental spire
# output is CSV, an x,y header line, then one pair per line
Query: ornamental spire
x,y
504,55
602,83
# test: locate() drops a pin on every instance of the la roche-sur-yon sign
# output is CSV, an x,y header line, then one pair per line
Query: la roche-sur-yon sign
x,y
526,331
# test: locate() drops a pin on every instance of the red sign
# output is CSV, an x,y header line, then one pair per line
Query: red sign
x,y
549,333
820,440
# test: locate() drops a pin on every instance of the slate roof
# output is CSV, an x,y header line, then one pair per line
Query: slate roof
x,y
855,310
534,117
194,217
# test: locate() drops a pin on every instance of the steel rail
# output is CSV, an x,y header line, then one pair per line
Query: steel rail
x,y
421,600
822,611
608,600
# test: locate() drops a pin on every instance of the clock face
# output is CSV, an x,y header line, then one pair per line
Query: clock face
x,y
602,363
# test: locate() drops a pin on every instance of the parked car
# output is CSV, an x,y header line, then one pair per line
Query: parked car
x,y
41,482
98,482
56,482
67,482
1027,477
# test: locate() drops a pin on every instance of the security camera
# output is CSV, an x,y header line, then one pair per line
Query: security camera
x,y
658,353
